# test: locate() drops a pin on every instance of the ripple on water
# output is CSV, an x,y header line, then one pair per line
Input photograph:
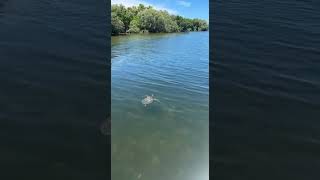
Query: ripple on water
x,y
176,72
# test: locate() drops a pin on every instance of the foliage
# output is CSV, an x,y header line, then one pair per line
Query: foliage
x,y
117,25
134,26
147,19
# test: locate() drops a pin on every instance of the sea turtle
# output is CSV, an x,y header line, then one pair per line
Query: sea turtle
x,y
148,100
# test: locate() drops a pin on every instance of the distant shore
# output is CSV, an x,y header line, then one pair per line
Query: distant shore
x,y
144,20
128,34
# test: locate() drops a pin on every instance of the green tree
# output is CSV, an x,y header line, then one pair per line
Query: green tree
x,y
145,18
200,25
169,22
204,25
141,7
184,24
125,15
117,25
134,26
151,20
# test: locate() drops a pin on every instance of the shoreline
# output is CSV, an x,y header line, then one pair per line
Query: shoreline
x,y
149,33
143,19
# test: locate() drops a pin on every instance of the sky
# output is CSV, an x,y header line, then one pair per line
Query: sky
x,y
185,8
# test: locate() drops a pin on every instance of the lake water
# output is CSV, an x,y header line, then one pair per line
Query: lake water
x,y
265,93
266,82
53,89
166,139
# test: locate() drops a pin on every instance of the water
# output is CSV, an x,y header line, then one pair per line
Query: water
x,y
166,139
264,92
53,89
265,89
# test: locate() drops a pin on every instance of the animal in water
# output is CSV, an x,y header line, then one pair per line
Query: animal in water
x,y
148,100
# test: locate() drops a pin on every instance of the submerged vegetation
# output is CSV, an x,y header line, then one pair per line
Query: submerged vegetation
x,y
137,19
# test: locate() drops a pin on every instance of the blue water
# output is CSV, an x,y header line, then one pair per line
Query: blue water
x,y
265,89
166,139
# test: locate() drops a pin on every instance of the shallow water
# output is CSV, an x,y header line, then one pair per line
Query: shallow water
x,y
166,139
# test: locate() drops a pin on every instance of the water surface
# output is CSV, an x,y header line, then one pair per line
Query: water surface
x,y
265,89
167,139
53,89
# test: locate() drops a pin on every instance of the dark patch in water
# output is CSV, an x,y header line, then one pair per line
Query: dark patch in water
x,y
105,127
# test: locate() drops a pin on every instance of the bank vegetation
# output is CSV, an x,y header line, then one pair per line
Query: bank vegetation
x,y
146,19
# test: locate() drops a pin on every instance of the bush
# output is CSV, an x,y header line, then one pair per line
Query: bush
x,y
117,25
134,26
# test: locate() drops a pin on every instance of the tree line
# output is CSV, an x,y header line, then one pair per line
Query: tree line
x,y
142,18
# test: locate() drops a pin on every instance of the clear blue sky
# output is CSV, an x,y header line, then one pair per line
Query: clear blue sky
x,y
186,8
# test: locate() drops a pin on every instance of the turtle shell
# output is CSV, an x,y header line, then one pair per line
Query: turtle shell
x,y
147,100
